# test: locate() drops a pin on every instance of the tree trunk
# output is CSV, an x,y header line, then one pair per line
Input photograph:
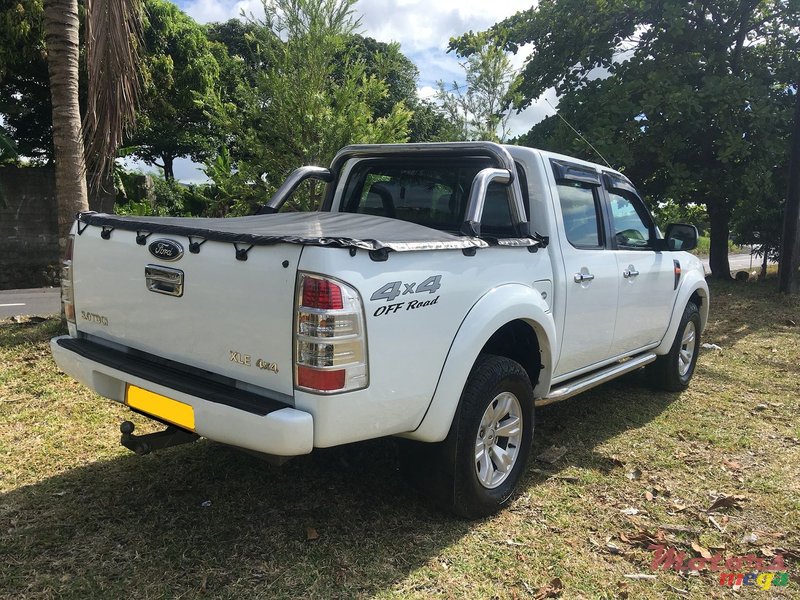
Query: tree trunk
x,y
789,270
102,195
764,263
720,231
61,38
169,173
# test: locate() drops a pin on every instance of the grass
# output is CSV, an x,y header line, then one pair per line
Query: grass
x,y
704,247
81,517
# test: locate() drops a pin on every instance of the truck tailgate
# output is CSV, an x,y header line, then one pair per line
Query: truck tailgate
x,y
232,317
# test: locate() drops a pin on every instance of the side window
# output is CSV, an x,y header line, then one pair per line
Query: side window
x,y
632,226
580,208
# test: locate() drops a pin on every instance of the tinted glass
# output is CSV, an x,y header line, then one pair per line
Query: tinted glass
x,y
579,210
430,193
631,230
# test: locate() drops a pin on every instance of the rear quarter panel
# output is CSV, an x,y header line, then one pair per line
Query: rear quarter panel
x,y
408,342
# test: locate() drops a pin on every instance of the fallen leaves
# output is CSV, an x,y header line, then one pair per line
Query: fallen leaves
x,y
732,464
701,550
643,538
634,475
553,589
552,455
723,502
311,534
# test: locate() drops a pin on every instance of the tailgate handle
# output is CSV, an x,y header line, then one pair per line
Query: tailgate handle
x,y
164,280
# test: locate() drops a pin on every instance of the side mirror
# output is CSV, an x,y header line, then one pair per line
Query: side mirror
x,y
681,236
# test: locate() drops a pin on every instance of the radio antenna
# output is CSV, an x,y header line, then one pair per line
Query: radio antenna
x,y
578,133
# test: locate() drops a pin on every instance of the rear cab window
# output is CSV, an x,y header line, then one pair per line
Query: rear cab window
x,y
433,193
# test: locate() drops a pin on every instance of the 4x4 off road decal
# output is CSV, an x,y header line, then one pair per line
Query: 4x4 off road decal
x,y
393,289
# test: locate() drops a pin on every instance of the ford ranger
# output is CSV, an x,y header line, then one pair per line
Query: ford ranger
x,y
440,294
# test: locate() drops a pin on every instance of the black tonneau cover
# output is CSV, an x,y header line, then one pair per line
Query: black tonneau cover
x,y
340,230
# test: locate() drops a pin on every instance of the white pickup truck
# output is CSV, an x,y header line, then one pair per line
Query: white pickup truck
x,y
440,294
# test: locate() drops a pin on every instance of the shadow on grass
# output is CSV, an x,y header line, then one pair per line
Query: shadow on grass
x,y
139,524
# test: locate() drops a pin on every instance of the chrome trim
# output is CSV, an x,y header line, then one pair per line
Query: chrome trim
x,y
581,384
164,280
477,198
291,184
628,273
505,169
496,151
581,277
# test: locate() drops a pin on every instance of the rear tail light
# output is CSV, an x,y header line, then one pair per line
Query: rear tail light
x,y
330,341
67,295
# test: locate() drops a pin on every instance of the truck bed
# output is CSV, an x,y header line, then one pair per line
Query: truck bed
x,y
340,230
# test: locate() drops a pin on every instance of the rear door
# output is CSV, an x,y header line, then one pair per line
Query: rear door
x,y
591,269
646,278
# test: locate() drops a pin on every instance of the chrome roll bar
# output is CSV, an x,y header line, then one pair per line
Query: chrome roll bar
x,y
291,184
504,172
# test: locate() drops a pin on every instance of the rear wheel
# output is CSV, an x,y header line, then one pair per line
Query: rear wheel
x,y
673,371
475,471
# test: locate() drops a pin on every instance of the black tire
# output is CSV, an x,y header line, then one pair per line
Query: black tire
x,y
447,472
666,373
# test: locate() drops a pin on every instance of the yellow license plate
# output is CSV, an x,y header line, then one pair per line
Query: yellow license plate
x,y
169,410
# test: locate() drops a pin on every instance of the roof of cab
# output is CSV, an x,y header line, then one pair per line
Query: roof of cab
x,y
554,155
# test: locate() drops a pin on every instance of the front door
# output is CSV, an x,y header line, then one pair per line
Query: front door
x,y
646,278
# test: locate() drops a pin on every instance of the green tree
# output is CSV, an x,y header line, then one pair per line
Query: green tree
x,y
389,64
24,89
691,99
479,109
181,81
313,98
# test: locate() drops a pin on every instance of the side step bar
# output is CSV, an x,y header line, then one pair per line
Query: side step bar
x,y
595,378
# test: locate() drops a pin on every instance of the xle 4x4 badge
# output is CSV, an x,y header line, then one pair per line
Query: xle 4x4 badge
x,y
247,361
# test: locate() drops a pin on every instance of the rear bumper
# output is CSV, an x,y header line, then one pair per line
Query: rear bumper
x,y
268,427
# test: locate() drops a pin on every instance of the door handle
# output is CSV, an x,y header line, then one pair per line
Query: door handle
x,y
582,277
630,272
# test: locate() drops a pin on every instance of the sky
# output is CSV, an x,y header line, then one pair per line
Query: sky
x,y
422,27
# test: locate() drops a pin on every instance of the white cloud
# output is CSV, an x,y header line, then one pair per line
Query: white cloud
x,y
206,11
425,24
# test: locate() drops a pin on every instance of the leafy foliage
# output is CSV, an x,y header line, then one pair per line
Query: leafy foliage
x,y
24,89
181,79
691,99
388,64
112,48
316,96
479,110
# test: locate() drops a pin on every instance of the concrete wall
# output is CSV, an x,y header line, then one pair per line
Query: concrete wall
x,y
28,228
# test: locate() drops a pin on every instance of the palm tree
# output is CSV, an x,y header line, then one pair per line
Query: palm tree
x,y
112,31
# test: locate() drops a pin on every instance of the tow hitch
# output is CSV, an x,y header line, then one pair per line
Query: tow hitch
x,y
144,444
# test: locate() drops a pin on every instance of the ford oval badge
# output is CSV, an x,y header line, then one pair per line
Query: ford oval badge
x,y
166,250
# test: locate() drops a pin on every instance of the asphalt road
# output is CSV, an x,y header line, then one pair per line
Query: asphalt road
x,y
43,302
739,262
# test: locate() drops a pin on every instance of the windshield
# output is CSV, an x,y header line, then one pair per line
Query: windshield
x,y
429,192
